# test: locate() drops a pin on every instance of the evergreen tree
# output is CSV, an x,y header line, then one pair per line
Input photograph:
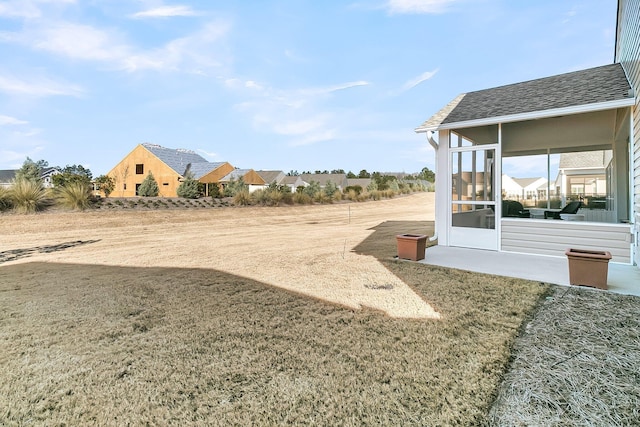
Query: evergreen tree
x,y
149,187
30,170
189,188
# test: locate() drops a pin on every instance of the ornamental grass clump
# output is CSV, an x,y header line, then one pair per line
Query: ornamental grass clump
x,y
242,198
75,195
5,199
28,196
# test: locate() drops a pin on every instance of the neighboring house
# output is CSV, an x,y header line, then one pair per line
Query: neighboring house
x,y
585,175
339,179
362,182
293,182
47,176
7,177
524,189
271,177
583,111
250,177
168,166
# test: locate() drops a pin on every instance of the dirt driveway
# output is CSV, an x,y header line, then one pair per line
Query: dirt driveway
x,y
306,249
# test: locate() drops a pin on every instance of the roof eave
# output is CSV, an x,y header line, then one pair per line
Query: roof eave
x,y
533,115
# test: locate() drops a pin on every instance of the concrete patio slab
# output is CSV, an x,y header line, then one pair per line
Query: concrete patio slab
x,y
622,278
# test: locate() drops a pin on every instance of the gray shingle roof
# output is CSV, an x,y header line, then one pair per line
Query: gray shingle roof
x,y
201,169
594,85
271,176
176,159
7,176
235,175
584,159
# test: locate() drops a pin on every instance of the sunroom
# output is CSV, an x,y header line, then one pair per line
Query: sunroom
x,y
575,129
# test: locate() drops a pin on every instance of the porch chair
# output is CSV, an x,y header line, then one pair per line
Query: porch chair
x,y
570,208
514,209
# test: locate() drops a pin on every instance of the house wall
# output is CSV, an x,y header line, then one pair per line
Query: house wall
x,y
628,54
552,237
124,173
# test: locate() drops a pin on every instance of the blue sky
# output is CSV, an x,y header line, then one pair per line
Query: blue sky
x,y
269,84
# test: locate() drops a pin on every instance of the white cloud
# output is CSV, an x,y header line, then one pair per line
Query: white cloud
x,y
7,120
191,53
419,6
27,9
38,87
334,88
165,12
419,79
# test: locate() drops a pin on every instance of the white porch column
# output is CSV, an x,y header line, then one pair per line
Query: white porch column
x,y
443,188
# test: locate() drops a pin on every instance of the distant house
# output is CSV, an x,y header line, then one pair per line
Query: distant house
x,y
362,182
293,182
584,174
339,179
7,177
250,177
47,176
168,166
524,189
271,177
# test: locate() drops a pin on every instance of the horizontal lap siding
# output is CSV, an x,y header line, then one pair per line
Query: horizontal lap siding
x,y
628,54
554,237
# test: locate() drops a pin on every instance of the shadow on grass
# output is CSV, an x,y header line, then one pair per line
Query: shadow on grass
x,y
125,345
16,254
382,242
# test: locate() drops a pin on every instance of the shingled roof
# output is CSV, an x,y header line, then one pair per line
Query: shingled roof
x,y
179,159
578,88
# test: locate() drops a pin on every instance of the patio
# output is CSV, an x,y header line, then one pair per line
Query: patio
x,y
622,278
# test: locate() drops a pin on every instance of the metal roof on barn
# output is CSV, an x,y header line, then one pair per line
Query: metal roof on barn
x,y
591,86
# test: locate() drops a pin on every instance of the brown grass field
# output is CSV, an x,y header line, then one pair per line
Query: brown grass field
x,y
246,316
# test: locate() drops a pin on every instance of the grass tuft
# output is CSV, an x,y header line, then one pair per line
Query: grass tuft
x,y
28,196
74,195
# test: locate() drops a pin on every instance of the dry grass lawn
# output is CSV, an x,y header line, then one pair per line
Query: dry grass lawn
x,y
246,316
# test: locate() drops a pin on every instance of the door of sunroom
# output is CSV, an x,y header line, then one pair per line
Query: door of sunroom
x,y
473,195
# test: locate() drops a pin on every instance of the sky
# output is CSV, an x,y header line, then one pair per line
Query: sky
x,y
271,84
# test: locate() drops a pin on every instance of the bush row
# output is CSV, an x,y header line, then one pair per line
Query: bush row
x,y
27,196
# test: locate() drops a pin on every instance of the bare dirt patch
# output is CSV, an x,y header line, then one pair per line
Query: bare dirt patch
x,y
306,249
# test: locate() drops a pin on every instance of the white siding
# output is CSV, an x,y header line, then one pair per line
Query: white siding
x,y
554,237
628,54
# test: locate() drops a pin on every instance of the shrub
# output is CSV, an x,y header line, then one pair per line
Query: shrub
x,y
149,187
74,195
5,199
213,190
302,198
321,197
287,198
234,187
242,198
355,188
189,188
28,196
274,197
106,184
312,189
260,197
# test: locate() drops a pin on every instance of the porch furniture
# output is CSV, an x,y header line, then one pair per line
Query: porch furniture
x,y
570,208
514,209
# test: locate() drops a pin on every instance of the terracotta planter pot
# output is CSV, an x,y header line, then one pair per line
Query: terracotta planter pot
x,y
411,246
588,268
